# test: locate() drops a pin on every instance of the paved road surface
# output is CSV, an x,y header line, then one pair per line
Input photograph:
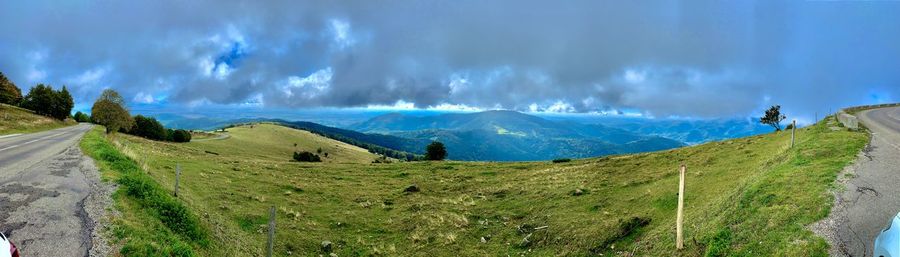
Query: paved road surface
x,y
44,183
872,197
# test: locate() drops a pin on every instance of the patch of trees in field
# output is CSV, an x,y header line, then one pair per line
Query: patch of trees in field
x,y
109,110
42,99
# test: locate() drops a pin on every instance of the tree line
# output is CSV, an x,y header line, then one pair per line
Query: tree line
x,y
42,99
109,110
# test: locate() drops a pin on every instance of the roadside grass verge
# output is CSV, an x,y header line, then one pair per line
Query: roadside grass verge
x,y
750,196
18,120
769,213
153,223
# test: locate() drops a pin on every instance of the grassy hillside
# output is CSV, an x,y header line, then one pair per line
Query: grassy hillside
x,y
749,196
17,120
277,143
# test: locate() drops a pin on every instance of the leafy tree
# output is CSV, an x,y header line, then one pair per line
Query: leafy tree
x,y
82,117
435,151
773,117
9,92
148,128
109,110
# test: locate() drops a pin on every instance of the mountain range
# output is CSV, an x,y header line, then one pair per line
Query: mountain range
x,y
512,136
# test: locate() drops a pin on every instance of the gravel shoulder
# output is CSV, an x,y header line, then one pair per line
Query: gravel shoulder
x,y
866,195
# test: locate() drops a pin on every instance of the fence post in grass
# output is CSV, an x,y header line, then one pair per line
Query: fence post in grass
x,y
679,233
270,243
177,177
793,128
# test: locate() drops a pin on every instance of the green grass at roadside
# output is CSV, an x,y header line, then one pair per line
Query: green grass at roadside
x,y
750,196
153,223
15,120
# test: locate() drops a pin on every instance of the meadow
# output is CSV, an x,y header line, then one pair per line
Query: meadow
x,y
749,196
14,120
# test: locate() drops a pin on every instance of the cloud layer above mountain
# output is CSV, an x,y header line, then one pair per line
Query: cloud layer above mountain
x,y
696,58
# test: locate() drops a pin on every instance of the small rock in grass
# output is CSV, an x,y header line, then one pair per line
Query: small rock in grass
x,y
577,192
326,246
411,189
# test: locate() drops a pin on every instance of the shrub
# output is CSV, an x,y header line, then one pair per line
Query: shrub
x,y
181,136
305,156
561,160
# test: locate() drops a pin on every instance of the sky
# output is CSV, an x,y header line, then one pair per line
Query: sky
x,y
699,59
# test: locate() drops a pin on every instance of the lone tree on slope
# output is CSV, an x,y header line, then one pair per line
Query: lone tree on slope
x,y
109,110
436,151
773,117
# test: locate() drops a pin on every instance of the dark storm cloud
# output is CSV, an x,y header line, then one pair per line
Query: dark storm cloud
x,y
705,59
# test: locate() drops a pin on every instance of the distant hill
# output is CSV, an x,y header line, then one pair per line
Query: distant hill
x,y
273,142
512,136
18,120
692,131
392,146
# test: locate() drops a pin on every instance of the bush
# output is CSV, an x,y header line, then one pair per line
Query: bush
x,y
305,156
561,160
181,136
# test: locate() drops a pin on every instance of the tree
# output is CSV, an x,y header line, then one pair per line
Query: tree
x,y
109,110
773,117
148,128
39,99
63,104
82,117
9,92
43,100
435,151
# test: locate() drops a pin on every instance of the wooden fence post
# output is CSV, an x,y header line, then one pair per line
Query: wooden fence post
x,y
270,243
177,177
793,128
679,233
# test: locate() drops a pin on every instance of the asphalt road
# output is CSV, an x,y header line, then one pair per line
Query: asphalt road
x,y
872,196
45,182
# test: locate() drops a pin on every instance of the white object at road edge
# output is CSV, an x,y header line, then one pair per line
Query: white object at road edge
x,y
10,135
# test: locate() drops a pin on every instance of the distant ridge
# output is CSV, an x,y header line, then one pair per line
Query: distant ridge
x,y
513,136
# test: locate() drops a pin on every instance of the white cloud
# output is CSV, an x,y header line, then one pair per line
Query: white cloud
x,y
143,98
634,76
205,66
399,105
341,33
310,86
89,77
222,71
454,107
561,107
